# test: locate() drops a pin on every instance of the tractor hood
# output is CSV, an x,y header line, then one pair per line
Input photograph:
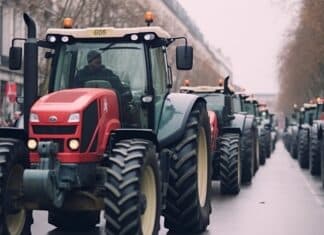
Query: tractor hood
x,y
57,107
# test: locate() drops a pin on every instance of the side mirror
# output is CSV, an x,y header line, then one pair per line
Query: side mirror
x,y
15,55
184,57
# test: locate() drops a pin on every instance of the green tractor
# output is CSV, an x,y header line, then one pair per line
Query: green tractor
x,y
315,136
265,133
251,107
250,138
113,139
228,160
306,118
291,132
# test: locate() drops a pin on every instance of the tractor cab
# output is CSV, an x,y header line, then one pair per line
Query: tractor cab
x,y
125,60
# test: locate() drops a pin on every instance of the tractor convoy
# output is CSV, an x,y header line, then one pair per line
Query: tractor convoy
x,y
303,136
108,135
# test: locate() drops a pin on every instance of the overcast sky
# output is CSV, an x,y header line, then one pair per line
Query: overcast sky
x,y
250,32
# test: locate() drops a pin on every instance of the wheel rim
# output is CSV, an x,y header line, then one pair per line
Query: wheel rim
x,y
148,189
15,220
202,167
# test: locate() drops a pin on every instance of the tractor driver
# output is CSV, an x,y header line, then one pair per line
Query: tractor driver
x,y
96,71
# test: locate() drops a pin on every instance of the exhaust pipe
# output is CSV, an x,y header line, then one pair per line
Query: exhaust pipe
x,y
30,69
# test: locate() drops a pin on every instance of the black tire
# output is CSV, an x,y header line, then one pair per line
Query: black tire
x,y
247,155
14,219
262,147
294,146
314,153
256,153
268,143
230,169
129,209
303,153
74,220
322,160
188,204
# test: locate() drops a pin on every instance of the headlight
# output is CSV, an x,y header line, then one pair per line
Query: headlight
x,y
74,117
51,38
33,117
74,144
32,144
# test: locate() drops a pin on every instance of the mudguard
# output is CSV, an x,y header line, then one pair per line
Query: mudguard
x,y
119,134
13,132
250,122
175,113
236,125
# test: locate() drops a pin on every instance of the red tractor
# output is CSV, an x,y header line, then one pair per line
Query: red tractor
x,y
115,140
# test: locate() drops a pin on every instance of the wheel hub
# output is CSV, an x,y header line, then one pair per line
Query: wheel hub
x,y
143,203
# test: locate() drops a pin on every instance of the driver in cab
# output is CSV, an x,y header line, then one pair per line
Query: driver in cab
x,y
96,71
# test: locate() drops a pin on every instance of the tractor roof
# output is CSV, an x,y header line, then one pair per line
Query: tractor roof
x,y
202,89
309,106
107,32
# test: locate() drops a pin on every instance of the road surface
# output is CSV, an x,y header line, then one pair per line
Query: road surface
x,y
282,200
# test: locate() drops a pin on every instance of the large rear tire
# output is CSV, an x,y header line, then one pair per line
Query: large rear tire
x,y
248,155
256,153
133,198
314,153
303,153
188,198
263,147
14,219
322,159
294,145
230,164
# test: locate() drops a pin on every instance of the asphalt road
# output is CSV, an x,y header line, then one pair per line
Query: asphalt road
x,y
282,200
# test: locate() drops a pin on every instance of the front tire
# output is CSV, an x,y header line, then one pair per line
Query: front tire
x,y
188,198
248,155
263,147
230,167
14,219
303,157
133,189
314,153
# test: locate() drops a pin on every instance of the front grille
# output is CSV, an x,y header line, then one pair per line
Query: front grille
x,y
60,143
54,130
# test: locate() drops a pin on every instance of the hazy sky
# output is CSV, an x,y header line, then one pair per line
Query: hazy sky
x,y
250,32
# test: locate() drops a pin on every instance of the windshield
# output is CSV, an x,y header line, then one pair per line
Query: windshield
x,y
250,108
237,104
215,101
89,64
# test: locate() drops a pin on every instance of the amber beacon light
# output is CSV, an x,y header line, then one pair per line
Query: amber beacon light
x,y
149,17
67,23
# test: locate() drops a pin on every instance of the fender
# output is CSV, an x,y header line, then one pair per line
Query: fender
x,y
250,122
120,134
175,113
237,123
13,132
